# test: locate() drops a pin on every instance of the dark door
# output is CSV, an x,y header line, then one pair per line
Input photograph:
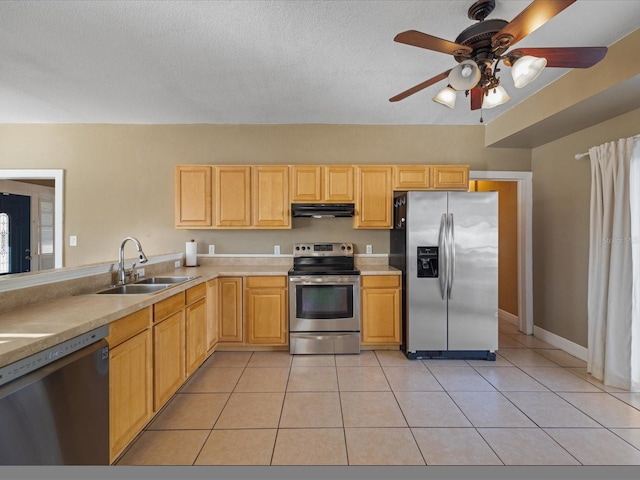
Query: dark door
x,y
15,233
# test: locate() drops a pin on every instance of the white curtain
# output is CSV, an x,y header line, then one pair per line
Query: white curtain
x,y
613,285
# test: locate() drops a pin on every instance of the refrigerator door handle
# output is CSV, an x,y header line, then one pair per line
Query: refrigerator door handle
x,y
451,260
442,248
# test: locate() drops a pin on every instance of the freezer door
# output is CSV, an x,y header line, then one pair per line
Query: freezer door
x,y
473,298
426,310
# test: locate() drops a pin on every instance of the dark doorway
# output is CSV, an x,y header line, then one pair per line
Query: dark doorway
x,y
15,233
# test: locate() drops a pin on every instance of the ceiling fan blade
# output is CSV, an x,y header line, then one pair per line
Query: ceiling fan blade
x,y
568,57
476,98
423,40
535,15
420,86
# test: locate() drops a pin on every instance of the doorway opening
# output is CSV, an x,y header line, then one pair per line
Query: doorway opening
x,y
522,218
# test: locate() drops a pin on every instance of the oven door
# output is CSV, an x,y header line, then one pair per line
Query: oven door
x,y
324,303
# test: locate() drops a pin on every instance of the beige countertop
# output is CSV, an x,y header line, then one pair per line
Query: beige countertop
x,y
31,329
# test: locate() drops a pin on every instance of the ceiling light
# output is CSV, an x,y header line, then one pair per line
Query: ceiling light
x,y
464,76
446,96
526,69
495,96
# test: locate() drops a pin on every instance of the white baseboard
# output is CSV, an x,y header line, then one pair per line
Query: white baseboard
x,y
568,346
508,317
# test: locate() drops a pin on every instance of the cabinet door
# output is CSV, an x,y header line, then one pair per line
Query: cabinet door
x,y
212,313
266,310
373,197
306,183
168,356
195,335
130,390
411,177
338,183
193,201
451,177
233,196
381,310
230,312
270,196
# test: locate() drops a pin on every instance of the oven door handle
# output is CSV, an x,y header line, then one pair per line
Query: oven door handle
x,y
320,336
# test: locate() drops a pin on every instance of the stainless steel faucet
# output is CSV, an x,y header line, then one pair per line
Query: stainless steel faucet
x,y
122,272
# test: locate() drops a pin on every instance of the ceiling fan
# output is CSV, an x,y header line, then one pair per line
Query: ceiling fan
x,y
481,47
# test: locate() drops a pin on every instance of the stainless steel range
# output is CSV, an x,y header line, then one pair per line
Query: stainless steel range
x,y
324,299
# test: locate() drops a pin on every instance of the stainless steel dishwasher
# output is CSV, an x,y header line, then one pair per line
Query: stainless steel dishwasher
x,y
54,405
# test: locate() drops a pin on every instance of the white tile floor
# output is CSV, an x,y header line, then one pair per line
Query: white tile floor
x,y
535,405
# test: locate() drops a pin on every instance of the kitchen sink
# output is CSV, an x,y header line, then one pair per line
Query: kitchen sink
x,y
133,289
163,280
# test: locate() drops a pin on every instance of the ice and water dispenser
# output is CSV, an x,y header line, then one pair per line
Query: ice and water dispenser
x,y
427,262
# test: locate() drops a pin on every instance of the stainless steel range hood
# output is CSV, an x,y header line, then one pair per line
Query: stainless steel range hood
x,y
319,210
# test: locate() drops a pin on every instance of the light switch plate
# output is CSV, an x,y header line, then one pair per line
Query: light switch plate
x,y
369,249
73,241
276,249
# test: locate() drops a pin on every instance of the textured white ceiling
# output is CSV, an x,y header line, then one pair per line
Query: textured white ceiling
x,y
256,62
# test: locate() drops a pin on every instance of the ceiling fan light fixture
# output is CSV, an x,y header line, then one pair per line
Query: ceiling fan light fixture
x,y
465,76
496,96
526,69
446,97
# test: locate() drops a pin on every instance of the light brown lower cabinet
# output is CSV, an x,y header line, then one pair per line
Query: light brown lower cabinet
x,y
380,303
130,378
168,348
195,327
265,300
230,311
213,306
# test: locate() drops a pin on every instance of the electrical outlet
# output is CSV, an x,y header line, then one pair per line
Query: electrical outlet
x,y
177,264
276,249
212,249
73,241
140,272
369,249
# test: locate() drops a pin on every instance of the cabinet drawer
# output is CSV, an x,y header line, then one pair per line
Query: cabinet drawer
x,y
196,293
380,281
166,307
262,282
127,327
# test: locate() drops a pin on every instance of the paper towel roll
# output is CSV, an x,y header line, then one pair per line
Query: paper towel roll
x,y
192,254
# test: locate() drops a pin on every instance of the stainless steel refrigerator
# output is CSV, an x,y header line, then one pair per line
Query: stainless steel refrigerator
x,y
446,244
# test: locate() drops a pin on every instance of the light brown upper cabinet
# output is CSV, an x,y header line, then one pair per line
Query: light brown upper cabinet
x,y
431,177
270,196
374,196
450,177
232,196
411,177
321,183
193,196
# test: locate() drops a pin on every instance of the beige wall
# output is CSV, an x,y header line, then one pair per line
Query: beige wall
x,y
119,178
561,196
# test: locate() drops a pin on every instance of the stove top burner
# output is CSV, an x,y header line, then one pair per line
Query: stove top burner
x,y
323,259
314,270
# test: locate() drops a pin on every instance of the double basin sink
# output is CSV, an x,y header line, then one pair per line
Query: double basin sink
x,y
147,285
